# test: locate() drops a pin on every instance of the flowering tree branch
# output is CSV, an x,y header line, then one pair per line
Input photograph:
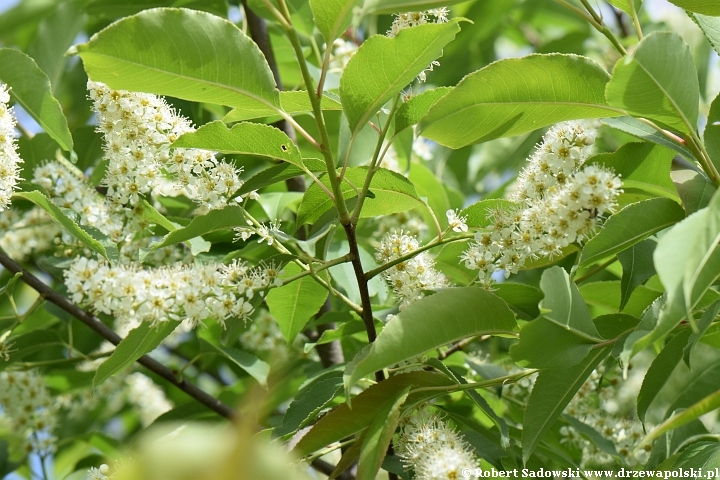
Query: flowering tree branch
x,y
109,334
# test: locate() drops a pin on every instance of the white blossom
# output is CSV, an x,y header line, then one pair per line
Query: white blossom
x,y
456,222
409,278
149,399
9,159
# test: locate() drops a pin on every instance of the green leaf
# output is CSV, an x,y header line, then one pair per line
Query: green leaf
x,y
294,103
704,7
638,267
255,367
630,226
242,138
412,111
659,371
593,435
703,383
699,455
710,26
707,404
333,17
694,188
182,53
228,217
564,305
393,194
383,66
141,340
480,214
90,237
606,295
430,323
638,129
712,130
378,437
523,299
688,262
705,321
31,89
56,33
278,173
658,82
307,404
294,304
552,392
627,6
544,345
344,421
383,7
518,95
641,165
429,187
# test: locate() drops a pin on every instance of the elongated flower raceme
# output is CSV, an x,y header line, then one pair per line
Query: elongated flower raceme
x,y
433,449
559,202
138,130
9,159
408,279
190,293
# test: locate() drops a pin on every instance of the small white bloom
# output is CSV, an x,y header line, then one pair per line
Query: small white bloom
x,y
456,222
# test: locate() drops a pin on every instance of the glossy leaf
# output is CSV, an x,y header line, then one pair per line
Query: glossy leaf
x,y
688,262
641,165
704,7
183,53
712,129
228,217
694,188
412,111
552,392
638,267
658,82
383,66
643,131
544,344
255,367
378,437
294,103
392,192
344,421
307,404
702,383
430,323
564,305
710,26
242,138
660,370
703,324
333,17
141,340
279,173
630,226
518,95
31,89
90,237
480,214
294,304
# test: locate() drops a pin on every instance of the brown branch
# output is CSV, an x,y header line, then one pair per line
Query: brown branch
x,y
109,334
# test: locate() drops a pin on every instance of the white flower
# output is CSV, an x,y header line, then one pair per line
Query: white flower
x,y
9,159
147,397
457,223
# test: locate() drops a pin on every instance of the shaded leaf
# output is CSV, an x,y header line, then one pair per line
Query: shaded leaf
x,y
255,367
643,131
294,103
412,111
638,267
307,404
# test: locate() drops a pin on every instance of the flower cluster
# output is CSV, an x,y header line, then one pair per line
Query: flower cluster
x,y
413,19
24,233
9,159
596,404
433,449
408,279
101,473
560,203
138,130
342,52
263,336
29,408
149,399
190,293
